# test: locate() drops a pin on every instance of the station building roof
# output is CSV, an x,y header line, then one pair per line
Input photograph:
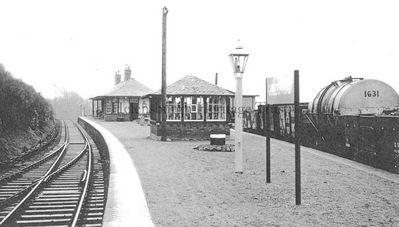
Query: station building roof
x,y
191,85
129,88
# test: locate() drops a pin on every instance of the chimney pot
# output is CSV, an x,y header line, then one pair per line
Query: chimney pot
x,y
117,77
128,73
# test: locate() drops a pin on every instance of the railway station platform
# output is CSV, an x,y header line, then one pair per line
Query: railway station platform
x,y
186,187
126,205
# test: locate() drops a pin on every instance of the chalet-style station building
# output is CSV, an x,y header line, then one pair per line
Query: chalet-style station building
x,y
194,109
124,102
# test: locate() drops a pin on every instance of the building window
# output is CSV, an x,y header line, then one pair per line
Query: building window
x,y
124,105
120,106
115,109
173,108
216,108
144,108
193,109
115,105
108,106
99,105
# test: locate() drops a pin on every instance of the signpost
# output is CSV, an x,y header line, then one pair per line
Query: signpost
x,y
279,91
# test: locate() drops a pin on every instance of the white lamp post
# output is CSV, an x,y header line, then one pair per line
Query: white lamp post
x,y
239,60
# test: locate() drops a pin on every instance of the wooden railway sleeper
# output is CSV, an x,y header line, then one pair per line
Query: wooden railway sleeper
x,y
11,176
43,181
89,217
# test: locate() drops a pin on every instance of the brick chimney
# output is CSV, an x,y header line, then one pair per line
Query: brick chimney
x,y
128,73
216,79
117,77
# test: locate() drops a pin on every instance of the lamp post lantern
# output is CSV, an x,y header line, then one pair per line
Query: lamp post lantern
x,y
239,60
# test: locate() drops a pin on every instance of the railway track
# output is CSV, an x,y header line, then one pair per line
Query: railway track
x,y
65,189
15,182
28,159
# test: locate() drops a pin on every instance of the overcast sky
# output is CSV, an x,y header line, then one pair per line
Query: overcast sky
x,y
78,45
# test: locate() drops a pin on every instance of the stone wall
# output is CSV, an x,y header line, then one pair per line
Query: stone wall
x,y
191,130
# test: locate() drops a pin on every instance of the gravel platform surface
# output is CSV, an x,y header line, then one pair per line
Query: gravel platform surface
x,y
187,187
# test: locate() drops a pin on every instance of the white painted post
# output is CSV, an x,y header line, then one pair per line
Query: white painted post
x,y
239,61
238,125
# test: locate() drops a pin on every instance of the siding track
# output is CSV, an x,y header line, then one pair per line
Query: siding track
x,y
65,189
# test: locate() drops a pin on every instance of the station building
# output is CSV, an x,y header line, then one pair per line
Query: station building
x,y
124,102
194,109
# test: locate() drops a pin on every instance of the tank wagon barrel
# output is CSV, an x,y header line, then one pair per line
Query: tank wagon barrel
x,y
354,96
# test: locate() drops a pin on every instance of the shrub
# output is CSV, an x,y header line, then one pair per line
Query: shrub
x,y
20,105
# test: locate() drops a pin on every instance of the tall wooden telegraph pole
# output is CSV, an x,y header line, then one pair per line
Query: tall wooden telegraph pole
x,y
163,89
297,140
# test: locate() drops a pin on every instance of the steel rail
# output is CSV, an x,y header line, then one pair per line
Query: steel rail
x,y
46,158
86,179
44,180
41,147
25,190
34,185
70,163
7,219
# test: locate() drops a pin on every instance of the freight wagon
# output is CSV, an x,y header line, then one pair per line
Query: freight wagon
x,y
353,118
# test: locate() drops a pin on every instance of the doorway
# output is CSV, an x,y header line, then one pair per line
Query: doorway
x,y
134,111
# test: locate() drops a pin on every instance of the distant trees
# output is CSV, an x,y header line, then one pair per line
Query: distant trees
x,y
20,105
68,106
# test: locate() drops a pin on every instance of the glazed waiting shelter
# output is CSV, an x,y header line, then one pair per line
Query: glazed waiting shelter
x,y
194,109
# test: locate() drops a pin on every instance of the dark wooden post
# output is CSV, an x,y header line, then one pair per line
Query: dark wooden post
x,y
182,110
163,102
205,107
297,140
266,131
118,110
103,106
92,107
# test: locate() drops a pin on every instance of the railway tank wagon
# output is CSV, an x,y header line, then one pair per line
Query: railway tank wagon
x,y
354,96
351,119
